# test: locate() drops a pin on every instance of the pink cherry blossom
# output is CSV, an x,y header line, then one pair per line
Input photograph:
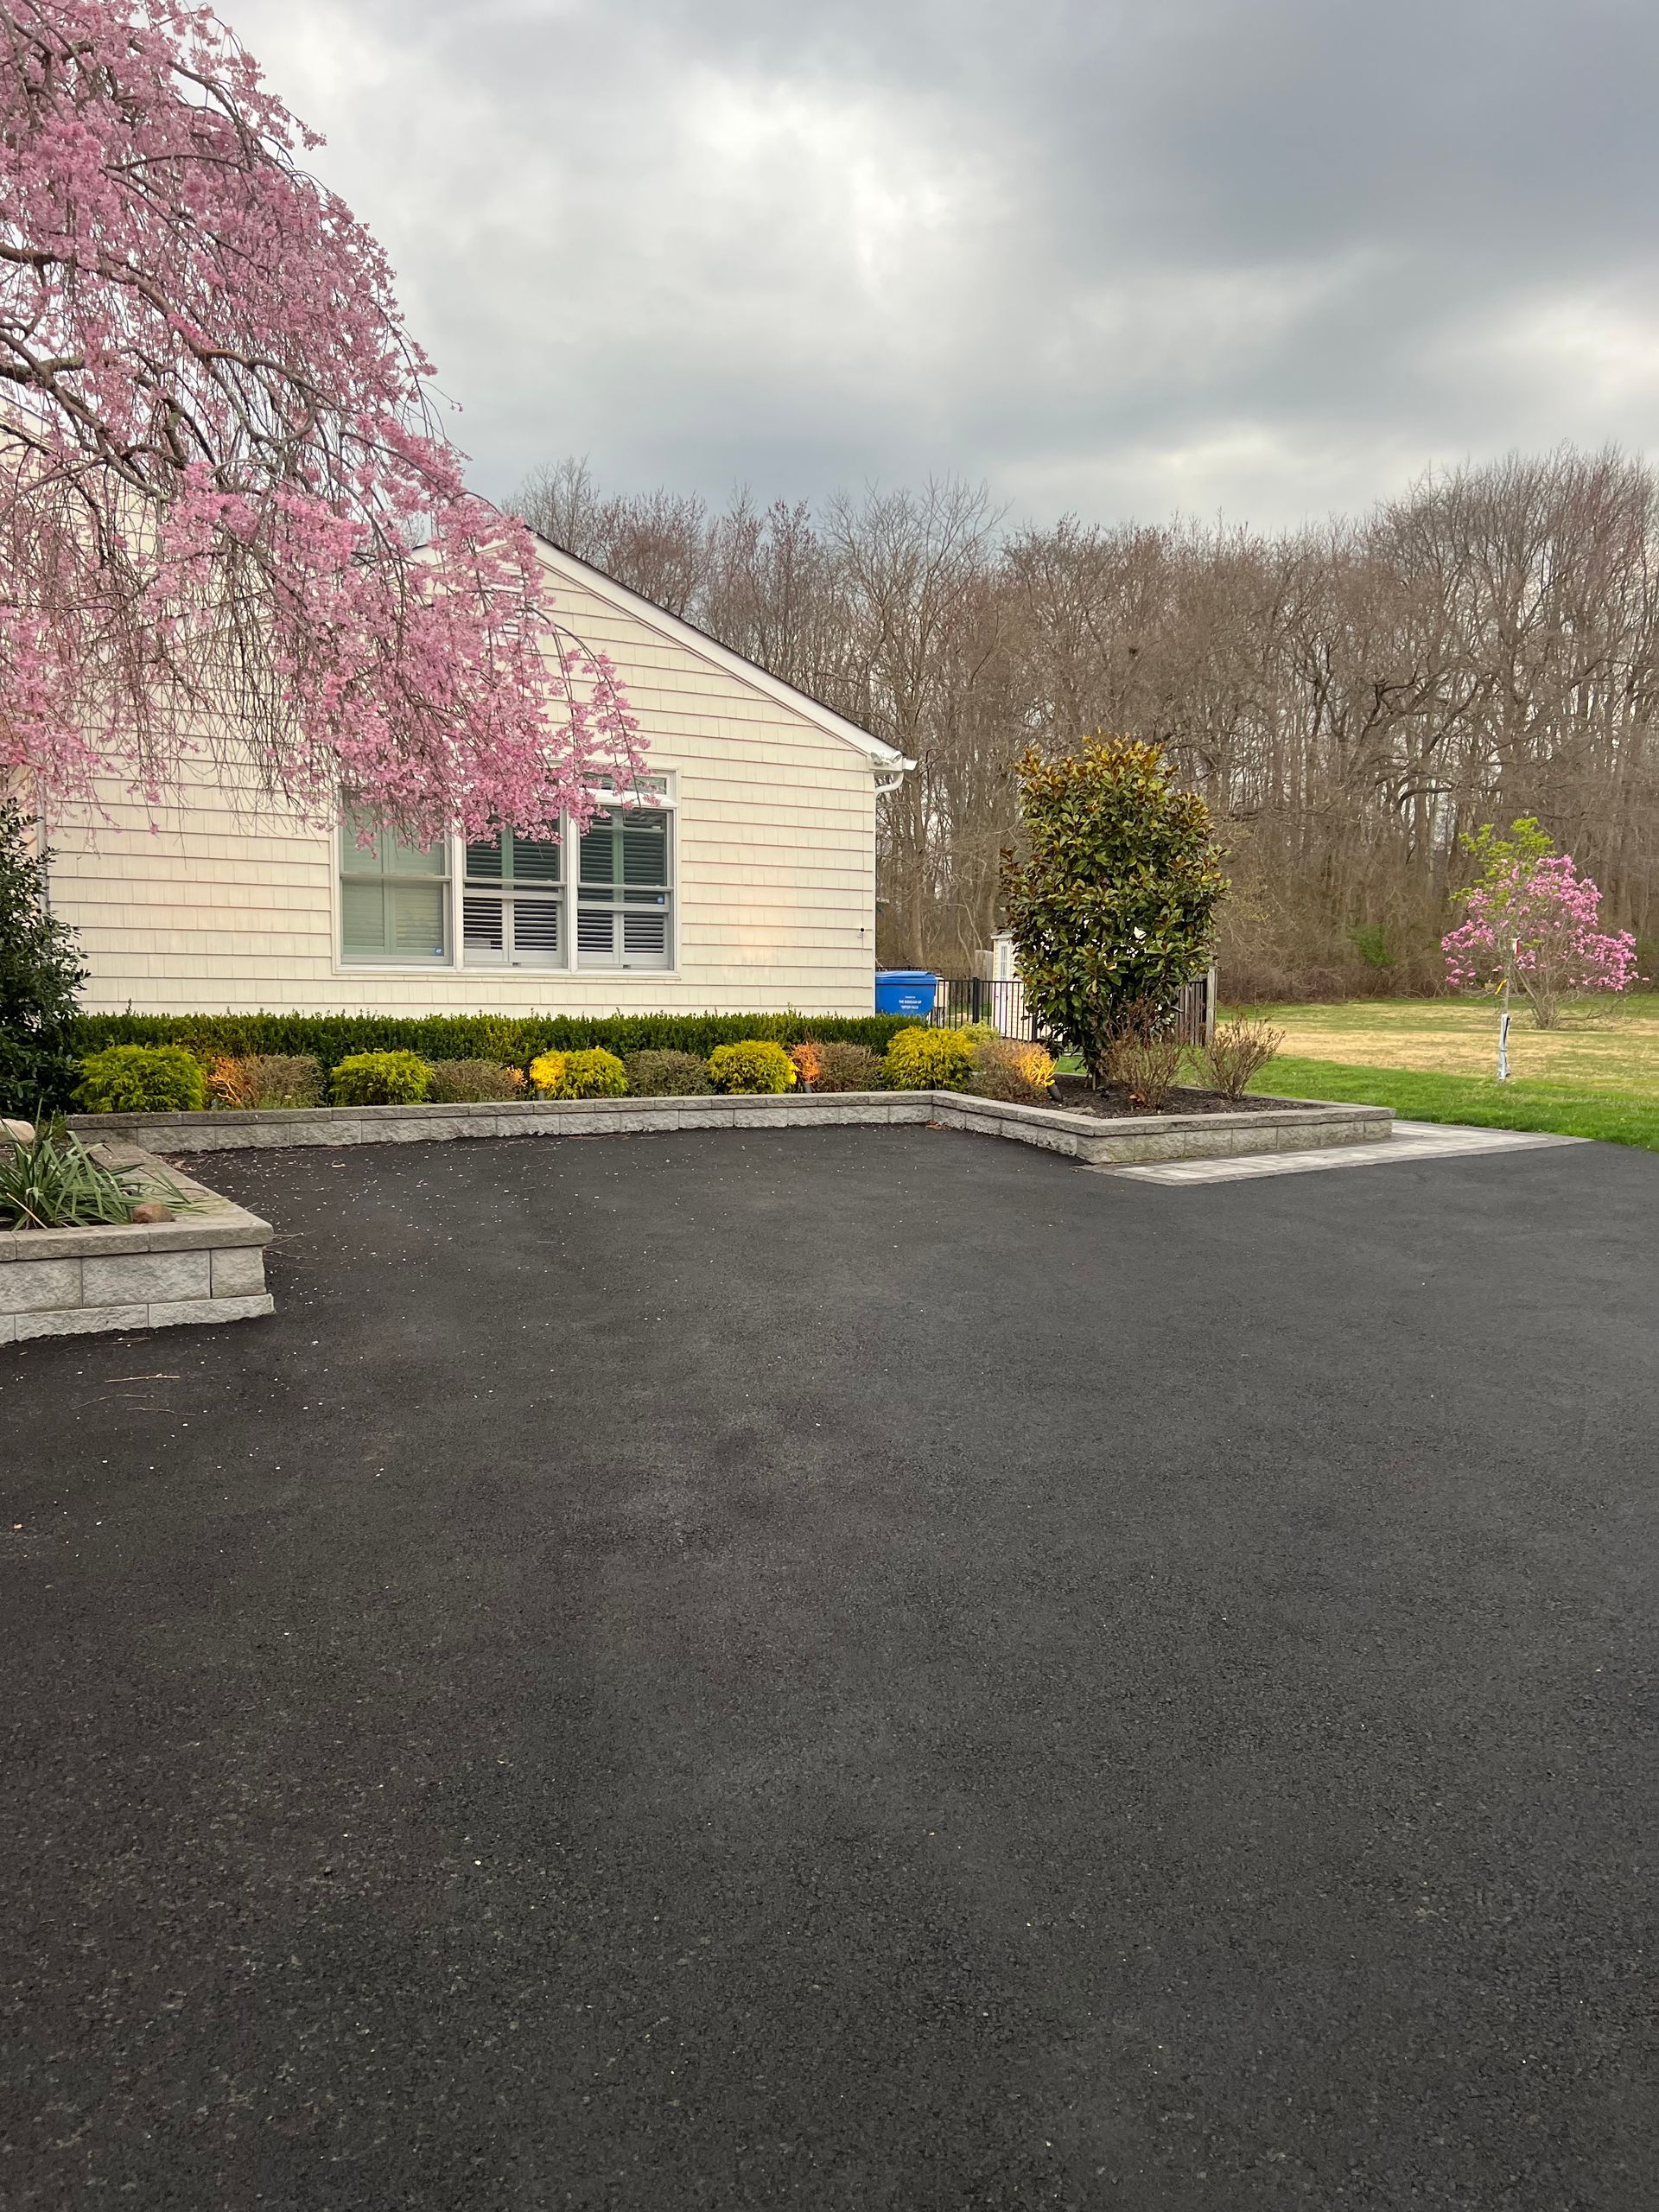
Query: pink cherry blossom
x,y
227,515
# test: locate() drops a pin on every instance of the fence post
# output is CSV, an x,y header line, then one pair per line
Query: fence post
x,y
1211,992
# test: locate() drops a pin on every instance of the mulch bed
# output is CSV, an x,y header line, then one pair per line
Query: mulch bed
x,y
1111,1103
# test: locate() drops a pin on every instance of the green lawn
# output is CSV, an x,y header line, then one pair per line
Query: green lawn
x,y
1418,1095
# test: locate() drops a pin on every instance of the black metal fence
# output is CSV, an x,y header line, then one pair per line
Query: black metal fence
x,y
974,998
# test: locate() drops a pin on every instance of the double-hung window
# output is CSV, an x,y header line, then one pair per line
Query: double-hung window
x,y
623,891
512,905
394,900
604,900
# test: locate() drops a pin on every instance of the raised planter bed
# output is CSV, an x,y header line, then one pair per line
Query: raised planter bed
x,y
1102,1140
209,1265
1265,1125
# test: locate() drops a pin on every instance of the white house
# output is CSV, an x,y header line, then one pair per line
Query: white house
x,y
748,886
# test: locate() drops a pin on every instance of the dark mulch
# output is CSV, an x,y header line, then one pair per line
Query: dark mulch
x,y
1111,1102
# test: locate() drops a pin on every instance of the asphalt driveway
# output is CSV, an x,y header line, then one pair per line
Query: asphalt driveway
x,y
856,1669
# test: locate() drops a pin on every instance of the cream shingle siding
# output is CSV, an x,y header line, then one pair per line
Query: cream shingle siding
x,y
225,905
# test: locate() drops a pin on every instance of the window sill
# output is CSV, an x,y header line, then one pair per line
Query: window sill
x,y
479,974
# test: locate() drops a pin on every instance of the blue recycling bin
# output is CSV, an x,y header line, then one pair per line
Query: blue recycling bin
x,y
906,990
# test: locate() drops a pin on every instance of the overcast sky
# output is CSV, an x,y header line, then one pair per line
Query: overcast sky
x,y
1260,257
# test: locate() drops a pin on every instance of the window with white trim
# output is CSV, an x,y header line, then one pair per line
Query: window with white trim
x,y
512,905
394,900
602,900
625,890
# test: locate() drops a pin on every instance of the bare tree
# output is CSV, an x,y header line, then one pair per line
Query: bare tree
x,y
1348,698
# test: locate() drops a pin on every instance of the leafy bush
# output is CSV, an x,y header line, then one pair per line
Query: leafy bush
x,y
463,1083
667,1075
267,1080
751,1065
579,1075
380,1079
932,1059
1239,1050
142,1079
1143,1053
1115,904
1019,1074
55,1183
839,1066
511,1039
40,973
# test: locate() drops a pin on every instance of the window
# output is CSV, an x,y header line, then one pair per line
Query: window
x,y
394,900
623,891
512,905
603,901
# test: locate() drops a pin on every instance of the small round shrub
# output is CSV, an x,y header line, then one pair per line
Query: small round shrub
x,y
463,1083
667,1075
932,1059
836,1066
1019,1074
753,1065
267,1080
596,1074
380,1079
142,1079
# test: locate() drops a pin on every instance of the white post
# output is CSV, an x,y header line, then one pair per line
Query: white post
x,y
1504,1036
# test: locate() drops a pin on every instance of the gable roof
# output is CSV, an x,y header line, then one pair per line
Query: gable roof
x,y
693,640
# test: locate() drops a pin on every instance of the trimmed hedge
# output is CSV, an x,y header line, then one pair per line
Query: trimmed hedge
x,y
511,1040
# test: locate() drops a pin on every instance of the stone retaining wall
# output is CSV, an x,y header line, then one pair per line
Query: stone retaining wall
x,y
1265,1125
1272,1126
209,1265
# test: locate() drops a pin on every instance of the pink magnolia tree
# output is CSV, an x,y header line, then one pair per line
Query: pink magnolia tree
x,y
228,518
1533,926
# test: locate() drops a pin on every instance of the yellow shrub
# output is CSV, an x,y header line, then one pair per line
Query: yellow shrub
x,y
931,1059
597,1074
754,1064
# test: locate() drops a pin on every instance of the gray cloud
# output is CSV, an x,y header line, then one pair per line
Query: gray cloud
x,y
1260,257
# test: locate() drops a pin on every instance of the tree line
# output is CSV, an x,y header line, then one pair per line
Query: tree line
x,y
1348,697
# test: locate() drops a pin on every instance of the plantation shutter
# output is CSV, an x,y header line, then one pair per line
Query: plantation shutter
x,y
624,892
393,899
513,904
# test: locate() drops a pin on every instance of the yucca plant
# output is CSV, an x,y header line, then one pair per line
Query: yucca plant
x,y
54,1183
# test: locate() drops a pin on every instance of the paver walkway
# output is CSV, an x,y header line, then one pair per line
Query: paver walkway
x,y
1412,1141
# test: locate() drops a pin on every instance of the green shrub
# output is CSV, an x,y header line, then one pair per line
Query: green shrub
x,y
461,1083
667,1075
751,1065
1114,905
932,1059
830,1063
142,1079
40,973
380,1079
515,1041
267,1080
579,1075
